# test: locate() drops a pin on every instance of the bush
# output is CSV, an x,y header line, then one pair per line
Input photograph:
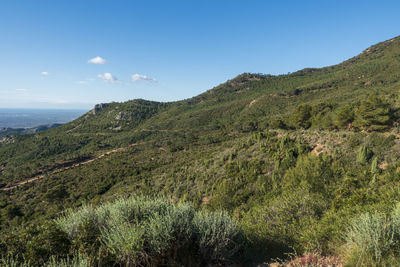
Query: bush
x,y
45,241
11,211
143,231
218,236
277,124
373,239
370,234
36,244
75,261
364,155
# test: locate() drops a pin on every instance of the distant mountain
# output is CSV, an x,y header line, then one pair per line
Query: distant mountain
x,y
293,158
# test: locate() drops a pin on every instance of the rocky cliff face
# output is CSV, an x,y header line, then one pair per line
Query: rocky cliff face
x,y
99,107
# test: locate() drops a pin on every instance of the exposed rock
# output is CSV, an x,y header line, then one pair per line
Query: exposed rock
x,y
124,116
6,140
99,107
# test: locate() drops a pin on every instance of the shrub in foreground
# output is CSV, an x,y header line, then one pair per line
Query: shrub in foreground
x,y
139,231
373,240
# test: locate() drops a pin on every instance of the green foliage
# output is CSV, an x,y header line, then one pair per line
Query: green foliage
x,y
139,231
218,236
74,261
364,155
278,124
11,211
212,150
374,166
284,219
56,193
300,118
373,239
37,244
373,113
370,234
313,172
344,115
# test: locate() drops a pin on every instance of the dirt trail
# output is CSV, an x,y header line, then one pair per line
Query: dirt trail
x,y
30,180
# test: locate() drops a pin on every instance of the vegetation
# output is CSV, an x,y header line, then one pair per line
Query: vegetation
x,y
135,231
282,163
373,239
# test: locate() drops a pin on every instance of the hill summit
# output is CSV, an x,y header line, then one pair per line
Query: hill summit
x,y
305,162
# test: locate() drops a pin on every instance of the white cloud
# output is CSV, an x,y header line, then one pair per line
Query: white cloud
x,y
44,73
139,77
21,89
97,60
108,77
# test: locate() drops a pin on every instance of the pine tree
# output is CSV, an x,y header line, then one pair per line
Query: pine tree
x,y
373,114
300,118
344,115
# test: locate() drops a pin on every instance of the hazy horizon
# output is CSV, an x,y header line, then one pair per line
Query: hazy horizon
x,y
29,117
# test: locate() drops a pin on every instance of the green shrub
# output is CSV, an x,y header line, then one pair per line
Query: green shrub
x,y
283,220
278,124
45,241
11,211
75,261
364,155
313,172
373,239
218,236
137,231
370,234
125,241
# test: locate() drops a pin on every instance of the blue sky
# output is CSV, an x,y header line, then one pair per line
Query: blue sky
x,y
171,50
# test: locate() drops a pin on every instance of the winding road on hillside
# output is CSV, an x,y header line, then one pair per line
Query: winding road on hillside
x,y
73,165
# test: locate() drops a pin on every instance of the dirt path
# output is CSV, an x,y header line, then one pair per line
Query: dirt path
x,y
35,178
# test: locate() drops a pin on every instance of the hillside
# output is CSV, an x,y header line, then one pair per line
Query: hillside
x,y
294,158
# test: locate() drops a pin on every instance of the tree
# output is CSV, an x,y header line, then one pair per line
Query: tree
x,y
344,115
373,114
300,118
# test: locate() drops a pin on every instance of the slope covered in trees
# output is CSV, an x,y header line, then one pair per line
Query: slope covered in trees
x,y
293,159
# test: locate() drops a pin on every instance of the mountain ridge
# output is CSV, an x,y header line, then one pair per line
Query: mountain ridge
x,y
283,155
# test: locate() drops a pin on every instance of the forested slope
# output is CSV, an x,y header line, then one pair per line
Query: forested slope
x,y
294,159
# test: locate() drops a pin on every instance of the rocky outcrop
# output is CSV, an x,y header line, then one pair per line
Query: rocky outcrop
x,y
124,116
99,107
